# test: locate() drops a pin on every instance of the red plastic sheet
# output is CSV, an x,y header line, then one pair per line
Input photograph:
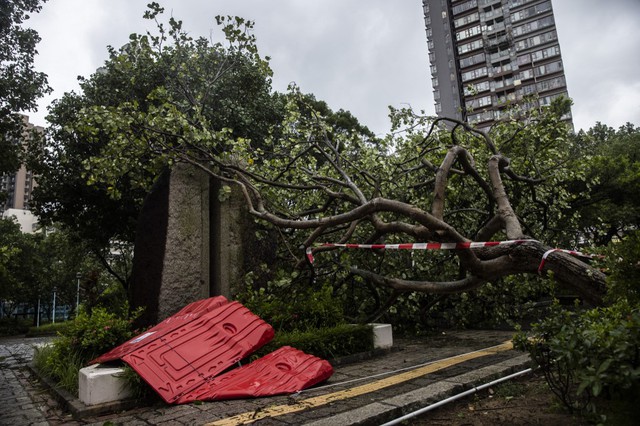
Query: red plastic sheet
x,y
189,356
284,371
187,314
200,350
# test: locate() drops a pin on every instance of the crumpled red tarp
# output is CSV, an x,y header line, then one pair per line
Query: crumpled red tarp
x,y
186,357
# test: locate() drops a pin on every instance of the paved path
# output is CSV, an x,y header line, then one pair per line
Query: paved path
x,y
22,400
416,373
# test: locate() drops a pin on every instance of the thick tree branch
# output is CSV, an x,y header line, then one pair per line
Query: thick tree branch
x,y
505,211
444,287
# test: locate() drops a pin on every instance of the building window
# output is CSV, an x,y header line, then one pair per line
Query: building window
x,y
551,84
533,26
546,100
525,75
465,6
516,3
477,73
548,68
473,89
536,40
466,19
531,11
545,53
469,32
468,47
483,116
472,60
524,59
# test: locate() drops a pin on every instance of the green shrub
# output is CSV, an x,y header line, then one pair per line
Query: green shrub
x,y
587,355
13,326
289,306
84,339
591,358
622,261
328,343
50,329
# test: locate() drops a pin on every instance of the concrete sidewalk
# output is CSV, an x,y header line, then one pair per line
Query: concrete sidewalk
x,y
414,374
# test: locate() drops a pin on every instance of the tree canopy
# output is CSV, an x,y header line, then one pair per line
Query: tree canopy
x,y
445,186
319,176
20,84
232,91
608,199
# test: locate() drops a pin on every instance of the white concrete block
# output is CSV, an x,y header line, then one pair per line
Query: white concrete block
x,y
98,384
382,335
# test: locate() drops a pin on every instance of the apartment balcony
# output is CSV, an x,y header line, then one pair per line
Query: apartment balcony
x,y
492,14
493,29
485,3
500,56
502,41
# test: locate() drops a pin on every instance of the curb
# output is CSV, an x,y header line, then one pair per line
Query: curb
x,y
392,408
77,408
80,411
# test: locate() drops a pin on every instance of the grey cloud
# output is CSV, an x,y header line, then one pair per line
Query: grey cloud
x,y
355,54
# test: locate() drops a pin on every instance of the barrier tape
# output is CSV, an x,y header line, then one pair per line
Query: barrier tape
x,y
571,252
417,246
443,246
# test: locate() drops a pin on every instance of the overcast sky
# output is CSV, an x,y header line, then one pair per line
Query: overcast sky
x,y
359,55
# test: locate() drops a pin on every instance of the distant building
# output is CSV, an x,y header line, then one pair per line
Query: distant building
x,y
487,55
27,221
18,188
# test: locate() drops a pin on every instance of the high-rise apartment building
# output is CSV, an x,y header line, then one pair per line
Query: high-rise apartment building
x,y
487,55
17,186
16,189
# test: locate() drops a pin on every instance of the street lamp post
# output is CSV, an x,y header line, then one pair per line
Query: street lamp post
x,y
53,316
78,276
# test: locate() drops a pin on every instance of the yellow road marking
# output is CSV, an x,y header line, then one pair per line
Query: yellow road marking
x,y
317,401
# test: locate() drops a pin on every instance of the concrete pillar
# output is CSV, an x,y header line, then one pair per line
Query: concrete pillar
x,y
185,276
171,258
230,228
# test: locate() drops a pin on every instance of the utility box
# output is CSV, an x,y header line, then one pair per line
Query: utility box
x,y
98,384
382,336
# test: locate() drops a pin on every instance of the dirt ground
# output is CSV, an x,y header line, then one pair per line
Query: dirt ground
x,y
523,401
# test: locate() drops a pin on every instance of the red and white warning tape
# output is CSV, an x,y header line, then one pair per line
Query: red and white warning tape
x,y
443,246
571,252
418,246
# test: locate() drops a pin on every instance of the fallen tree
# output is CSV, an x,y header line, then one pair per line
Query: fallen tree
x,y
440,180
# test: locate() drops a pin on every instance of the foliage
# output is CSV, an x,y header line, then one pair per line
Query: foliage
x,y
588,355
60,366
289,306
622,261
20,84
595,354
328,343
506,302
33,265
607,198
315,176
51,329
224,88
13,326
84,339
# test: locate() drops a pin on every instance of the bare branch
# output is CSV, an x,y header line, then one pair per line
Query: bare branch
x,y
505,211
443,287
